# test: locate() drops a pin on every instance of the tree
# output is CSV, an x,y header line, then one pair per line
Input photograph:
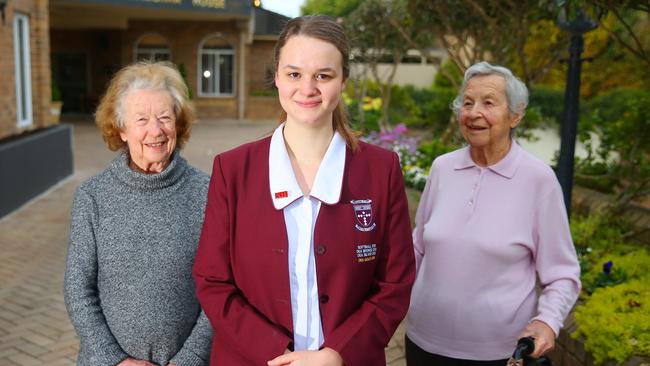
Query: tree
x,y
497,31
376,41
621,121
519,34
333,8
631,27
617,51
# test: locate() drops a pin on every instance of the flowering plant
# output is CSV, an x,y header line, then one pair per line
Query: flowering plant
x,y
609,276
406,147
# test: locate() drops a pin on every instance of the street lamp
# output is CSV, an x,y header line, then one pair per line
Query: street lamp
x,y
3,4
576,27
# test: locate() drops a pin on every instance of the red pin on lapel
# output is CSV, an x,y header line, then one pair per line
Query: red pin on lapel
x,y
283,194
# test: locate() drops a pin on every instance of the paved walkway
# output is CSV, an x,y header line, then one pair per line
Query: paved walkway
x,y
34,326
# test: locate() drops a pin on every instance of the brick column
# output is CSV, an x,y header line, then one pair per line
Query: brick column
x,y
40,59
242,27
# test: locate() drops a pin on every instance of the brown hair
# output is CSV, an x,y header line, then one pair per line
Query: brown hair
x,y
143,75
326,29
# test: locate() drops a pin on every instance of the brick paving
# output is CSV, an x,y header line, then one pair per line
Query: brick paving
x,y
34,325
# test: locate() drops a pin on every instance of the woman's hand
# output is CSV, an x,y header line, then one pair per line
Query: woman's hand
x,y
134,362
324,357
544,337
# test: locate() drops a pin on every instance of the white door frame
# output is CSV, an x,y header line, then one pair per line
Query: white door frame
x,y
23,70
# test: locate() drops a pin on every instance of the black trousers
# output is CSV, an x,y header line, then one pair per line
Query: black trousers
x,y
416,356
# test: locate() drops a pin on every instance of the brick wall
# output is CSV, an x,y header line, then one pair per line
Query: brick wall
x,y
40,59
261,54
38,14
258,64
7,90
263,108
215,107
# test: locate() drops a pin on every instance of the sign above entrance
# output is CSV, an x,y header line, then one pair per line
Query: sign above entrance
x,y
164,1
221,6
215,4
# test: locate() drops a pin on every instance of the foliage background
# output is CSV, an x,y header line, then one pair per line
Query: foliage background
x,y
613,316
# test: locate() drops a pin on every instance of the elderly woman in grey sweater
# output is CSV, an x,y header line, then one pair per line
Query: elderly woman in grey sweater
x,y
135,228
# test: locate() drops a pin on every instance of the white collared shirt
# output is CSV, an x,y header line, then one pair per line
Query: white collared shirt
x,y
300,213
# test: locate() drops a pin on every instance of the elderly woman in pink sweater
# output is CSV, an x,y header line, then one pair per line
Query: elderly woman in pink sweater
x,y
491,221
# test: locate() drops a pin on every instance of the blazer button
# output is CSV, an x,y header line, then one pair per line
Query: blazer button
x,y
320,249
324,299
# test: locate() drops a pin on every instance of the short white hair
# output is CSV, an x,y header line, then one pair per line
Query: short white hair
x,y
516,91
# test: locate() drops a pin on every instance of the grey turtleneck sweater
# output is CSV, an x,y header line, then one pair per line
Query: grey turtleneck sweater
x,y
128,284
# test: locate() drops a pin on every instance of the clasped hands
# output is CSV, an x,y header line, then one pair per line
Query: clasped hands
x,y
135,362
323,357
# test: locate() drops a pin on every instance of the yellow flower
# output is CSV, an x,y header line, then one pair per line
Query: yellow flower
x,y
371,104
346,99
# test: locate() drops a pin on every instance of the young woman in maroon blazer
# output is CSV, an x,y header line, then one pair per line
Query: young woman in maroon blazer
x,y
306,254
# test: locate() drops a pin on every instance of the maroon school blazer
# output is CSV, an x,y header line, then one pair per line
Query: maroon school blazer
x,y
364,259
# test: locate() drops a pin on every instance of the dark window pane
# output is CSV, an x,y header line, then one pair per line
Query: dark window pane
x,y
206,74
226,74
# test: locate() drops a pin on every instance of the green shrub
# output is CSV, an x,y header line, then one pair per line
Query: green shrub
x,y
615,316
56,92
371,109
415,107
594,174
633,265
620,120
615,321
549,101
597,237
441,80
422,108
403,107
597,230
613,105
431,150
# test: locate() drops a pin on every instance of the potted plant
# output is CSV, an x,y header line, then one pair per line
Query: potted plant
x,y
56,103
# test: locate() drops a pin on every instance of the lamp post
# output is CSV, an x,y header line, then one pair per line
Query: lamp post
x,y
576,27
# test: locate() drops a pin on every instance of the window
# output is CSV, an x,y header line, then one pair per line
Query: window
x,y
152,47
23,70
216,68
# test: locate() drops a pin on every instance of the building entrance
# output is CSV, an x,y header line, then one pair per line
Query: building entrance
x,y
70,72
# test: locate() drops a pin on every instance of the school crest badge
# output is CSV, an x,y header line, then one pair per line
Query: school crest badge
x,y
363,213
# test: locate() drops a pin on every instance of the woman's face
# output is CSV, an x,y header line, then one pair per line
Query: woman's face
x,y
309,79
485,120
149,128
